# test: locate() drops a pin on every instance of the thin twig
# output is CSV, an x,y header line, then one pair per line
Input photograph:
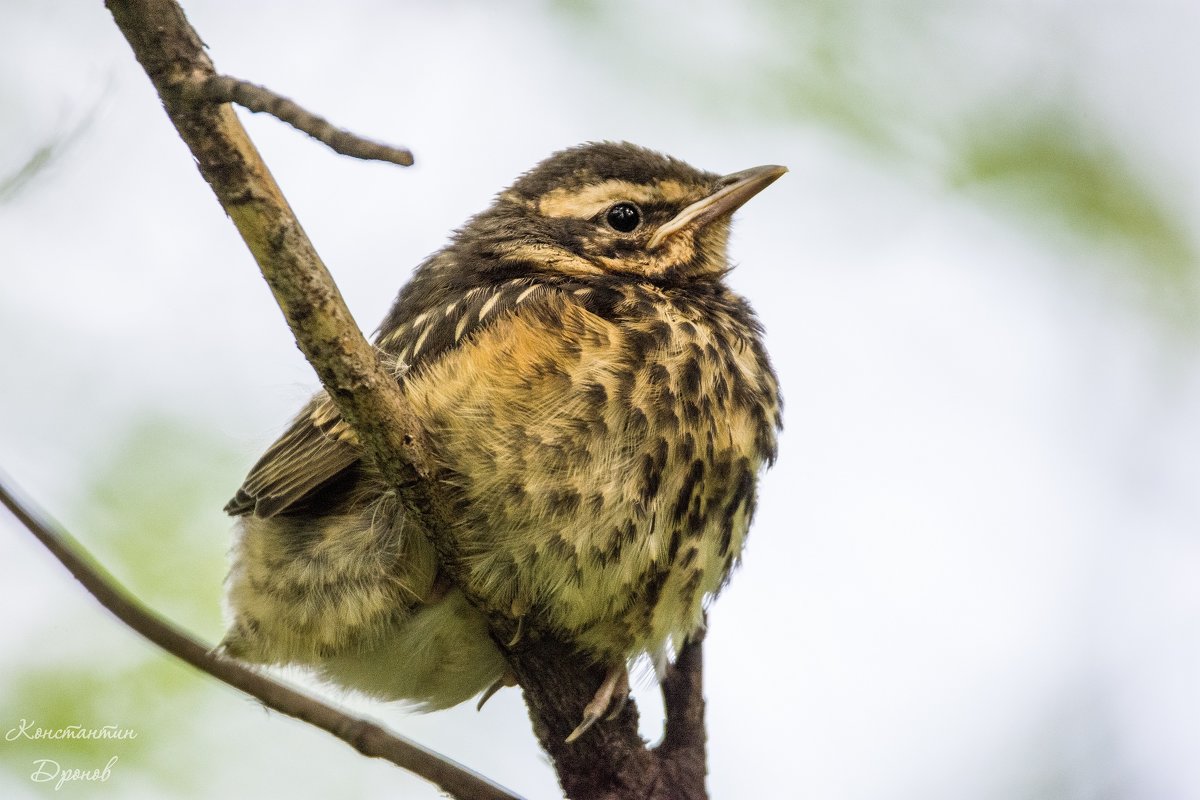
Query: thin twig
x,y
365,736
226,89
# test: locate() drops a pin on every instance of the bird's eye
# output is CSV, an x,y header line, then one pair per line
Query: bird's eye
x,y
623,217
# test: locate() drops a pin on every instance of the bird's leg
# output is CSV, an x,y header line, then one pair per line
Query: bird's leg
x,y
615,687
507,679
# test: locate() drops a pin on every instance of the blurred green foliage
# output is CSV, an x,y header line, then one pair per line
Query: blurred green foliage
x,y
151,517
971,96
43,157
12,184
1045,168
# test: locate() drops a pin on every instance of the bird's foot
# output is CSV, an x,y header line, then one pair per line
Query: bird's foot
x,y
610,697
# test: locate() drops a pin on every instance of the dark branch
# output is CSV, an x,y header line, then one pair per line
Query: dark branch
x,y
363,735
224,89
685,738
610,760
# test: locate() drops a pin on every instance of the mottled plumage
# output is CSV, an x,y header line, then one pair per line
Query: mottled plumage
x,y
600,404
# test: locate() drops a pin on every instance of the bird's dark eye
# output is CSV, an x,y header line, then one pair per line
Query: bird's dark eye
x,y
623,217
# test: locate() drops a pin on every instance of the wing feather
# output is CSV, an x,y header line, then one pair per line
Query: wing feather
x,y
319,446
306,457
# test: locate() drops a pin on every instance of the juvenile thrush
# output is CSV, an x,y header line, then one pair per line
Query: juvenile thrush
x,y
600,405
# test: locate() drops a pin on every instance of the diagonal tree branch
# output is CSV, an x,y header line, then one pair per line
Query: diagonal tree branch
x,y
365,736
612,760
365,393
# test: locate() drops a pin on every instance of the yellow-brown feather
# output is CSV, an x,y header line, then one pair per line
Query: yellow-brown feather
x,y
556,514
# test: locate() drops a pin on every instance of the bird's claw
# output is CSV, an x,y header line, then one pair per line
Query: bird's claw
x,y
516,637
610,696
507,679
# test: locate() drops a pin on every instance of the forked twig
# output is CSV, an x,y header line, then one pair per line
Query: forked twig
x,y
226,89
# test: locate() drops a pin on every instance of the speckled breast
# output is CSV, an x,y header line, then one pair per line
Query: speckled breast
x,y
605,458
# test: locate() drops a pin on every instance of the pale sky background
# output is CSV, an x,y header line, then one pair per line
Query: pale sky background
x,y
974,571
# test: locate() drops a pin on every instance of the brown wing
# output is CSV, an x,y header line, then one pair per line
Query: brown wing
x,y
319,446
315,449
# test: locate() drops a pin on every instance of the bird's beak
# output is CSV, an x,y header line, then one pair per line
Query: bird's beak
x,y
732,191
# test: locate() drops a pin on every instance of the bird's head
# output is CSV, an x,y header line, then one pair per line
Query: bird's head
x,y
614,209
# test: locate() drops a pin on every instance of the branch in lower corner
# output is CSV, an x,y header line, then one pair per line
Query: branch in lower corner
x,y
363,735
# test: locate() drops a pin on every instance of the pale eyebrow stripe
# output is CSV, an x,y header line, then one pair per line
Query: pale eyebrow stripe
x,y
586,202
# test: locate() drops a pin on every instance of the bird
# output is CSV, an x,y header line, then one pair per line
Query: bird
x,y
600,405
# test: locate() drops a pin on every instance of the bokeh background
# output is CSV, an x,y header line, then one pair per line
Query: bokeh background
x,y
975,572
